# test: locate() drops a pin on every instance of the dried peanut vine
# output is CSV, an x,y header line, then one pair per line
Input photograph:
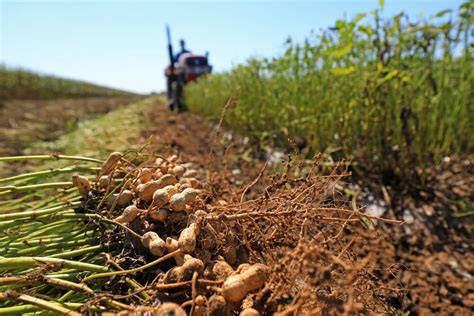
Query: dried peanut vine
x,y
167,243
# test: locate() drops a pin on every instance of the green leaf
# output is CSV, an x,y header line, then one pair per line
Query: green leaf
x,y
366,30
466,5
340,24
339,71
359,17
341,52
381,4
443,12
389,76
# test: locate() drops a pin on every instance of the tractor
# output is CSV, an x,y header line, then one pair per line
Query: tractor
x,y
182,69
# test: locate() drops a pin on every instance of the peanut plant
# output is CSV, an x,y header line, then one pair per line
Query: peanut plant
x,y
392,94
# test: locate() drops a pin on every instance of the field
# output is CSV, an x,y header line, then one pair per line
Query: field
x,y
408,271
24,122
335,179
393,95
36,108
24,84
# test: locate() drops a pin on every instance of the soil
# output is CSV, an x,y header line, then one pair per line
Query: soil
x,y
426,265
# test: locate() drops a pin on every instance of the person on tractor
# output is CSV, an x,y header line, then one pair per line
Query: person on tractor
x,y
183,50
182,44
184,67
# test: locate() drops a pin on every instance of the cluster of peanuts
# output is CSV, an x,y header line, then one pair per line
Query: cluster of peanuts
x,y
167,191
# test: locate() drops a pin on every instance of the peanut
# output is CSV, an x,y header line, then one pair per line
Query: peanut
x,y
178,170
187,238
167,179
237,286
158,214
172,245
169,309
249,312
190,173
171,190
145,175
152,241
105,181
160,197
145,191
110,163
129,214
178,201
172,158
217,306
82,184
159,161
191,182
185,271
124,198
221,270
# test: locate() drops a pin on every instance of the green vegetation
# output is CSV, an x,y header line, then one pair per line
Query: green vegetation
x,y
24,84
47,243
392,94
102,135
24,122
50,239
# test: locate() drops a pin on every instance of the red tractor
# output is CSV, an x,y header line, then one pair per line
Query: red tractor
x,y
183,68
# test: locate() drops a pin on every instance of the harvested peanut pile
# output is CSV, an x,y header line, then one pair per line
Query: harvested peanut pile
x,y
286,251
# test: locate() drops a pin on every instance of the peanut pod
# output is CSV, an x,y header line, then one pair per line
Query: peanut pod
x,y
158,214
82,184
129,214
110,163
237,286
154,243
185,271
171,246
187,238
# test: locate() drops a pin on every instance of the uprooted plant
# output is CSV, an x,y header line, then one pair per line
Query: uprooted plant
x,y
145,233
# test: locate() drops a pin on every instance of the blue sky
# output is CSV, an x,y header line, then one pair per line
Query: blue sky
x,y
122,43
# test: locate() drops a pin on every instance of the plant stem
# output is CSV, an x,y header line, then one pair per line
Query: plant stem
x,y
50,157
22,309
37,213
146,266
11,188
63,245
47,173
101,218
29,262
11,295
45,241
48,280
77,252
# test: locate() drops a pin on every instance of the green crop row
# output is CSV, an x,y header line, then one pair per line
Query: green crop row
x,y
393,94
25,84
